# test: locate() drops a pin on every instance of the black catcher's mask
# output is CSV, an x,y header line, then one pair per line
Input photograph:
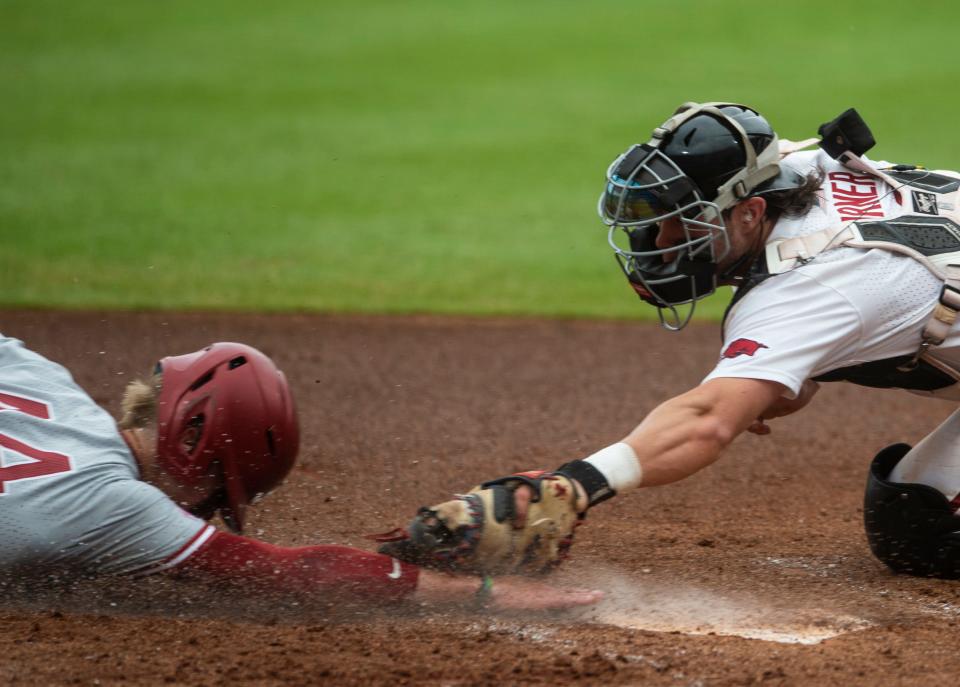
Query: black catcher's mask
x,y
697,164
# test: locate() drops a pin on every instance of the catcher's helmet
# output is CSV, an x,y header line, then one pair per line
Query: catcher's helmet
x,y
697,164
226,410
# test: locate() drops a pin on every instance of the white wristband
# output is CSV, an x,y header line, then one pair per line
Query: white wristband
x,y
619,465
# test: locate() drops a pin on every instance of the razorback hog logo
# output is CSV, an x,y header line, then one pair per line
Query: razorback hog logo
x,y
742,347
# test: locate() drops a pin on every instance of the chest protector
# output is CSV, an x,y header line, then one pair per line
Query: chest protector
x,y
928,233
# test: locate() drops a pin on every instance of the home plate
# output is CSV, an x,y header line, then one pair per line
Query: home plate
x,y
797,631
659,606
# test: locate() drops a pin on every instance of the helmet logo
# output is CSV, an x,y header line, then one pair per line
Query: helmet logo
x,y
742,347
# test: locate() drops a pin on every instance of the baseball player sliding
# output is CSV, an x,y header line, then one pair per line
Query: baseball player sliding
x,y
845,270
209,432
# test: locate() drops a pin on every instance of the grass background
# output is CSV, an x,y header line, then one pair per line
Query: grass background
x,y
418,156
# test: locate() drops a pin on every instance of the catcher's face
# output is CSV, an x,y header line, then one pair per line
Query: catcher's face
x,y
743,225
666,237
672,232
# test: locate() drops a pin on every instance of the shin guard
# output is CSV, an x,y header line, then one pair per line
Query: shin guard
x,y
910,527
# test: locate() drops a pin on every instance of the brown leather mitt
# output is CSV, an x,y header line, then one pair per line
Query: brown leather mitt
x,y
476,532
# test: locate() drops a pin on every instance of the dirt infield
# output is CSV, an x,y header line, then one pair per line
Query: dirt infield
x,y
754,571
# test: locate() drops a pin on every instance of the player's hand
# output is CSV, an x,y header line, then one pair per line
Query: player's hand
x,y
506,593
521,593
784,406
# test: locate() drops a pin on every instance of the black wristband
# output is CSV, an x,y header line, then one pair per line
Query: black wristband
x,y
591,479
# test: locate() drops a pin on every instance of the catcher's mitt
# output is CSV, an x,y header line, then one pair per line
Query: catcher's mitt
x,y
476,532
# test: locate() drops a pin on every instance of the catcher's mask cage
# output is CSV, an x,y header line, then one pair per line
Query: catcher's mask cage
x,y
226,411
648,184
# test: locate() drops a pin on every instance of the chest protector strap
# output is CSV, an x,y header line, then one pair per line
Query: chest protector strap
x,y
931,236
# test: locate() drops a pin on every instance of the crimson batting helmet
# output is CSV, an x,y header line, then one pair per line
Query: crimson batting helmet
x,y
226,410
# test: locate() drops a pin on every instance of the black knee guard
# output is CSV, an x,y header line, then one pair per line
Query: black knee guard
x,y
910,527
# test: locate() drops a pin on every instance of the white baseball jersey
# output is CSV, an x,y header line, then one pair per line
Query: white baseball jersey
x,y
846,307
70,497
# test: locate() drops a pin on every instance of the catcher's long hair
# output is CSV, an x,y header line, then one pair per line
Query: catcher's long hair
x,y
795,202
139,402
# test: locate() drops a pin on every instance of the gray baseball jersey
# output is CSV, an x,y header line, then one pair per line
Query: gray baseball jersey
x,y
70,494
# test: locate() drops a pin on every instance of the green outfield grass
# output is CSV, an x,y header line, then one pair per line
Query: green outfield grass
x,y
418,156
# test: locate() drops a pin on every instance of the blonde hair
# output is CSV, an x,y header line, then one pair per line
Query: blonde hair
x,y
139,403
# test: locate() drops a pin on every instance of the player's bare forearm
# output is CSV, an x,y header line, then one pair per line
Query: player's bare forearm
x,y
689,432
